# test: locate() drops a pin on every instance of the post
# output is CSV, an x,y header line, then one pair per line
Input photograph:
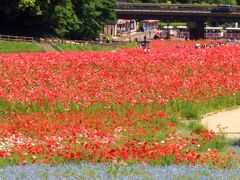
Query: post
x,y
196,29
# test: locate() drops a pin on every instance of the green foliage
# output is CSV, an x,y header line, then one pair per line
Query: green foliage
x,y
30,6
63,19
164,161
59,107
188,110
93,15
196,126
81,19
36,107
219,143
73,107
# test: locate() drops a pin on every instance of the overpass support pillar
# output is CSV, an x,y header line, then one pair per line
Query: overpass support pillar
x,y
196,29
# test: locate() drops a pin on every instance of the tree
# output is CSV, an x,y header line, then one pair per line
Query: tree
x,y
81,18
31,6
63,18
93,14
8,10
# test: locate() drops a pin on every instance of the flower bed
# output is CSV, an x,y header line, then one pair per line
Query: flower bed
x,y
122,107
98,171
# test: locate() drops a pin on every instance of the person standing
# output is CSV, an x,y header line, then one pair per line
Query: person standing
x,y
145,41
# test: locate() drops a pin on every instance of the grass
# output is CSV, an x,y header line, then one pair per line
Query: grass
x,y
195,110
196,126
16,46
175,108
78,47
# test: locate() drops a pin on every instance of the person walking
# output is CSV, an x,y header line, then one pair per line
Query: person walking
x,y
145,41
145,38
146,44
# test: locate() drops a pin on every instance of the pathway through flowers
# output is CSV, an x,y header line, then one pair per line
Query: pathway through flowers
x,y
228,121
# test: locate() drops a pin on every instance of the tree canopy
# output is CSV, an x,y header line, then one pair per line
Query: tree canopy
x,y
82,19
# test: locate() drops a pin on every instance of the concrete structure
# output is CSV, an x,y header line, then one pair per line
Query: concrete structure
x,y
183,32
213,32
150,25
110,29
232,33
121,27
195,15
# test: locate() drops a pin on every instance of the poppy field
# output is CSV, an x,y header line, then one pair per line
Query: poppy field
x,y
119,107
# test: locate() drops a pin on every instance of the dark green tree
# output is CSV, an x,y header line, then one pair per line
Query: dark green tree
x,y
81,18
63,19
93,14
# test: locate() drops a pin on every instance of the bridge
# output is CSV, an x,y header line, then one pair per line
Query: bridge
x,y
195,15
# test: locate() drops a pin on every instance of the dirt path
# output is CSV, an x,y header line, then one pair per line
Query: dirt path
x,y
46,47
229,119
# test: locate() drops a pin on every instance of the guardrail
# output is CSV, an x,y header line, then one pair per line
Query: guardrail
x,y
170,7
85,43
50,40
16,38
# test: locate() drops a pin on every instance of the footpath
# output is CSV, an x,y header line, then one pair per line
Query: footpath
x,y
46,47
229,121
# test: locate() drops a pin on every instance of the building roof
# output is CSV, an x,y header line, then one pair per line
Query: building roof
x,y
213,28
232,28
182,27
167,27
150,21
123,21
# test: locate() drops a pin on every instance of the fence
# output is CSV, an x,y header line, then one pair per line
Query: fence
x,y
50,40
16,38
85,43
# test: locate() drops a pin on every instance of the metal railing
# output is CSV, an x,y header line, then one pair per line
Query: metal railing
x,y
85,43
170,7
53,41
16,38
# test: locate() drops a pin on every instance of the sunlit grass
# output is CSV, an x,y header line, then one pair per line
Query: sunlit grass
x,y
16,46
91,47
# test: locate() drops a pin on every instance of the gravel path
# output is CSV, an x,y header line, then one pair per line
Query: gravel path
x,y
229,120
